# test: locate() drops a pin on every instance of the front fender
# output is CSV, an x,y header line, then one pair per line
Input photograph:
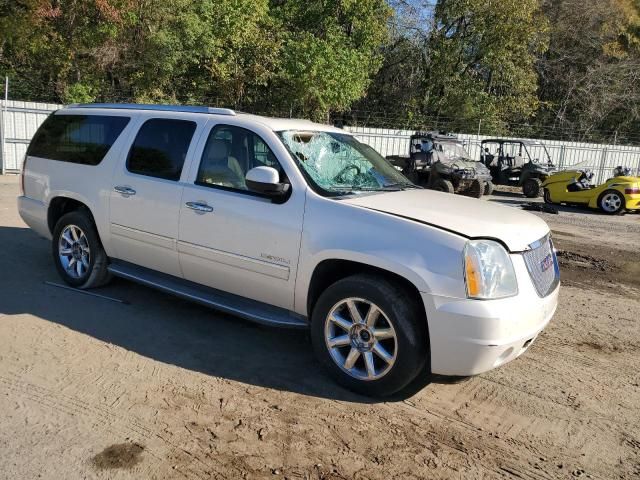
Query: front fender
x,y
429,258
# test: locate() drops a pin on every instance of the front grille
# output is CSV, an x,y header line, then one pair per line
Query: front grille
x,y
542,265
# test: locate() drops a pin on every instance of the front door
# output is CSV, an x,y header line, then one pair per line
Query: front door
x,y
231,238
146,193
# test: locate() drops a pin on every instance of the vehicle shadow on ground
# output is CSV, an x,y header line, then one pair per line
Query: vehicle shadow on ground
x,y
166,328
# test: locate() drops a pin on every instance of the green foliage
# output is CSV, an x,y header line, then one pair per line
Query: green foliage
x,y
306,57
79,93
488,50
330,51
507,63
589,75
322,75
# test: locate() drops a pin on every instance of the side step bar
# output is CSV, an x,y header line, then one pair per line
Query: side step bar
x,y
225,302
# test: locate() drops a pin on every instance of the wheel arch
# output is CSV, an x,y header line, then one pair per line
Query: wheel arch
x,y
329,271
61,205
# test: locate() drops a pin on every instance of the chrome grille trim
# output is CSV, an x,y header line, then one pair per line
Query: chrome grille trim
x,y
544,281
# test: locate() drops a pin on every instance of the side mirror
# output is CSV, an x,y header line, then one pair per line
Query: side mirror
x,y
266,180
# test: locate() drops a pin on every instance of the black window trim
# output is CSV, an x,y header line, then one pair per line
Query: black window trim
x,y
249,193
189,147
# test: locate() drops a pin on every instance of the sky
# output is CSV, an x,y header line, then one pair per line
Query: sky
x,y
413,14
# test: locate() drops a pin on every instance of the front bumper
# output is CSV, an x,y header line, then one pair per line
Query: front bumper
x,y
469,337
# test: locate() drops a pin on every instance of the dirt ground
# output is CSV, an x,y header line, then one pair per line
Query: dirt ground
x,y
158,388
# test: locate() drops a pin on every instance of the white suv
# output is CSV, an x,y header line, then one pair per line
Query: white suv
x,y
291,223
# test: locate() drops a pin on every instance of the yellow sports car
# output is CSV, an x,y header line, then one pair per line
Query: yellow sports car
x,y
617,194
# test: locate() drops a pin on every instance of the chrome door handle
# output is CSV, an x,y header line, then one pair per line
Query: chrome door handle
x,y
199,207
124,190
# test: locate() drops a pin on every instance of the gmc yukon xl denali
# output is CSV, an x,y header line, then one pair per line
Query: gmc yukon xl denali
x,y
291,223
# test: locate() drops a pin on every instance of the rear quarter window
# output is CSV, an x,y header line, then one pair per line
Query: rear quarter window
x,y
83,139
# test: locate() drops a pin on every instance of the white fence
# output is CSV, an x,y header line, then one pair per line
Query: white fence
x,y
20,120
600,158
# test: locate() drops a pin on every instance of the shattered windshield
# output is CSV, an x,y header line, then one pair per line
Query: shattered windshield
x,y
339,163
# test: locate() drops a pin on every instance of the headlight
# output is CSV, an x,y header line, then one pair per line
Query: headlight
x,y
488,270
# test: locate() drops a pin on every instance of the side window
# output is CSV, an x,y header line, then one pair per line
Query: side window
x,y
83,139
230,152
160,148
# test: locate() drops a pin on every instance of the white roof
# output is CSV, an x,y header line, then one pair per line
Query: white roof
x,y
275,124
279,124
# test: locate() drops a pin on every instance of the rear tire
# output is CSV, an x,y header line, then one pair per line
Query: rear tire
x,y
77,251
531,187
377,357
547,196
488,188
611,202
443,185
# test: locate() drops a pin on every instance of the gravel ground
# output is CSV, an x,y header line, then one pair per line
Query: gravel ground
x,y
160,388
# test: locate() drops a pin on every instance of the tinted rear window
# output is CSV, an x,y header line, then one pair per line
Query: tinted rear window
x,y
160,148
84,139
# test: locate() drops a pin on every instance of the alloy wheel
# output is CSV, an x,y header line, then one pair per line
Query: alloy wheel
x,y
611,202
361,339
74,252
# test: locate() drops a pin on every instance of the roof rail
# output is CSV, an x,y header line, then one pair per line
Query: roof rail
x,y
163,108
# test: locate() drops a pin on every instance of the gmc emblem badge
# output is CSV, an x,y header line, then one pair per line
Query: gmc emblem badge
x,y
546,263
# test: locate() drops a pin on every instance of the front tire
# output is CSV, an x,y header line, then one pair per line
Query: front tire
x,y
612,202
370,335
547,196
531,187
442,185
77,251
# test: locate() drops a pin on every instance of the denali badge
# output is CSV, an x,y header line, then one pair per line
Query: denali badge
x,y
546,263
273,258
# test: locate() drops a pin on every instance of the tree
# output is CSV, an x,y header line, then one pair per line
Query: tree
x,y
481,61
396,89
457,62
303,57
590,76
331,50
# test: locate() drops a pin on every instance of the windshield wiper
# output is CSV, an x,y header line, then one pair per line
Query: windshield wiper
x,y
401,185
390,187
376,189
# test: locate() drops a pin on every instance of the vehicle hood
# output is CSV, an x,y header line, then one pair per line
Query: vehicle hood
x,y
466,216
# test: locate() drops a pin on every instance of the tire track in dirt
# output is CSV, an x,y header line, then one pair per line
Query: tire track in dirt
x,y
121,426
517,429
471,442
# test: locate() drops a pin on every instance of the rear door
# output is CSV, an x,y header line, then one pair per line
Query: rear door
x,y
231,238
147,189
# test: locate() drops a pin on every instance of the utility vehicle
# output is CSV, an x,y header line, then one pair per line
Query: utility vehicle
x,y
293,224
523,163
440,162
